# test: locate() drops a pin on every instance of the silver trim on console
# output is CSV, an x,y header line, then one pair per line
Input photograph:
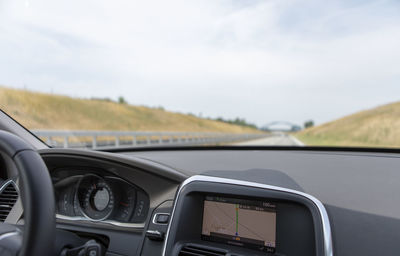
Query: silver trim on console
x,y
9,234
90,221
326,227
155,217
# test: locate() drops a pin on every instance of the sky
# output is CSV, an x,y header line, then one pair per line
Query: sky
x,y
290,60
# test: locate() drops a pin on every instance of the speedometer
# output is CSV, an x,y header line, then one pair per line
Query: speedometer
x,y
95,197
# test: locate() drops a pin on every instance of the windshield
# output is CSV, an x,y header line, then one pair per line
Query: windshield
x,y
103,73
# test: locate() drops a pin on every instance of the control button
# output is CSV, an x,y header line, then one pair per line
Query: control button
x,y
162,218
92,251
90,248
155,235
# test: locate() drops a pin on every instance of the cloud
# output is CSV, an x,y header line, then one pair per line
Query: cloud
x,y
262,60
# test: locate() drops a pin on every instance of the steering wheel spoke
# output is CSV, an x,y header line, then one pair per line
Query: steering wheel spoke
x,y
36,198
10,239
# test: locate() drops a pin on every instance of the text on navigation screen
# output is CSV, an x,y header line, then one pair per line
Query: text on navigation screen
x,y
246,223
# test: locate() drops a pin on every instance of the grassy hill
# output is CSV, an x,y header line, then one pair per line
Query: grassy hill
x,y
48,111
377,127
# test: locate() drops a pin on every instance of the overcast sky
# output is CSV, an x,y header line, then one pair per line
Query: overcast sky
x,y
260,60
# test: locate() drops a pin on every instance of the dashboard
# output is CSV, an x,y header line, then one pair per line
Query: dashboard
x,y
228,202
171,214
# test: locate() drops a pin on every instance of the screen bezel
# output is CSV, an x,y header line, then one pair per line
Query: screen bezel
x,y
299,230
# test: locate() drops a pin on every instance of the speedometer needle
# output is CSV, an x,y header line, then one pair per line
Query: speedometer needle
x,y
124,204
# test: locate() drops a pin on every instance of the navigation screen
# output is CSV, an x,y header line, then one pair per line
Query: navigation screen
x,y
246,223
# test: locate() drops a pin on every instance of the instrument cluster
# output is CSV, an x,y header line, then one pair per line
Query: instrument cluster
x,y
100,198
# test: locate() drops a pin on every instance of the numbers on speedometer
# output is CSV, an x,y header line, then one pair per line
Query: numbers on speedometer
x,y
95,197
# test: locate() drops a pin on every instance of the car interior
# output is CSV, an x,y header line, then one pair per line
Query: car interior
x,y
173,200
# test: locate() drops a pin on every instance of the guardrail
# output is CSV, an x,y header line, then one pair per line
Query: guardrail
x,y
107,139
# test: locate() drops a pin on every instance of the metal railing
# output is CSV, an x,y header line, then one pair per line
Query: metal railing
x,y
108,139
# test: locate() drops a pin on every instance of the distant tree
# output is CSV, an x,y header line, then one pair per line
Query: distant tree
x,y
237,121
102,99
121,100
308,124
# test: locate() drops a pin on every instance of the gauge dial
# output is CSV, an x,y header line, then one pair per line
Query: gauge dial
x,y
95,197
65,202
125,204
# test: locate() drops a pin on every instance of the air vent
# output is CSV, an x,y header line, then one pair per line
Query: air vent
x,y
8,197
195,250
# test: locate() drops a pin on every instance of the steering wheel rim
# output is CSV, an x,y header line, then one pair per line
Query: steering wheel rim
x,y
36,193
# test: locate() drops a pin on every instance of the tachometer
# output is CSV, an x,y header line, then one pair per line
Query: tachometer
x,y
95,197
125,203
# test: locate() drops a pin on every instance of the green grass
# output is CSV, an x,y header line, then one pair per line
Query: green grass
x,y
47,111
377,127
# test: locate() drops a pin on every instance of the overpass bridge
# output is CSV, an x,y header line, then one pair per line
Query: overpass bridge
x,y
281,126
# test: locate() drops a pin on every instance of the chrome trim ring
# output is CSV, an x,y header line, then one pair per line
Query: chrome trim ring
x,y
90,221
76,198
326,227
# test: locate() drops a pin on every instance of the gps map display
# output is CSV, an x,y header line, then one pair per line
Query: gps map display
x,y
245,223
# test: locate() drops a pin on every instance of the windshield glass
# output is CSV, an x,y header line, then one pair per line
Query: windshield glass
x,y
107,73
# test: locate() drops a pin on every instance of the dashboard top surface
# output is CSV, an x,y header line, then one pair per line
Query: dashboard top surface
x,y
347,180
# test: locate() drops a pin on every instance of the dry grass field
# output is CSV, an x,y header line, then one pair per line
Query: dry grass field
x,y
47,111
377,127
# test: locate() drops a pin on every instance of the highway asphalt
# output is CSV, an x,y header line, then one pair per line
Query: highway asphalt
x,y
276,139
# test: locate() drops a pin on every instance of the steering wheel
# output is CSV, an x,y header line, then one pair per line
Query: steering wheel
x,y
37,236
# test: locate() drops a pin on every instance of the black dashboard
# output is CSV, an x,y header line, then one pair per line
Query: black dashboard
x,y
229,202
101,191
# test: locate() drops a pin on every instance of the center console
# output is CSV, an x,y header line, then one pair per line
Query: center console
x,y
217,216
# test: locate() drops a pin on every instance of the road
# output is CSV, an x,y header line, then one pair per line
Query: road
x,y
277,139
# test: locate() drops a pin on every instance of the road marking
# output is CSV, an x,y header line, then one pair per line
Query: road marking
x,y
296,141
276,139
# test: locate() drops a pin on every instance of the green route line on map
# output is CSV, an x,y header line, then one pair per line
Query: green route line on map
x,y
245,227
